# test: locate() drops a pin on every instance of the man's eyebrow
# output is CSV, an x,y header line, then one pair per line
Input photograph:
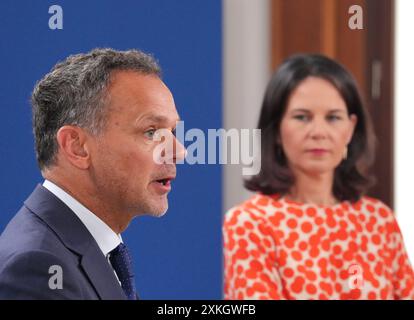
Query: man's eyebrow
x,y
154,118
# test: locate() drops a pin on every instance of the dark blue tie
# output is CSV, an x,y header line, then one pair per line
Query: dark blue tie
x,y
122,263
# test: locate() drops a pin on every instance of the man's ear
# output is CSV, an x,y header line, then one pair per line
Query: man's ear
x,y
73,146
353,119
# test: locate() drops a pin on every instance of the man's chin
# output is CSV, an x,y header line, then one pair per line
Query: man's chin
x,y
158,214
153,206
158,210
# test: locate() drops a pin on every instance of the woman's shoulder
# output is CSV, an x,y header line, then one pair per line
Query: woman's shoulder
x,y
373,205
257,207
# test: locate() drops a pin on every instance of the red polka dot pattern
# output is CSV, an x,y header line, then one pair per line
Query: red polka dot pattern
x,y
279,249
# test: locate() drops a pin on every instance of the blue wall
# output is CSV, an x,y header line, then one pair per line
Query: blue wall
x,y
179,255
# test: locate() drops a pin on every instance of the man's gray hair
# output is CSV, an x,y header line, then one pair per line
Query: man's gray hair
x,y
74,93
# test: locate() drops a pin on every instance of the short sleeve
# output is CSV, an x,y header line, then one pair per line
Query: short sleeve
x,y
250,262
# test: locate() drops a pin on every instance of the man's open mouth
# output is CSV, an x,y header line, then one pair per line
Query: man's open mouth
x,y
164,182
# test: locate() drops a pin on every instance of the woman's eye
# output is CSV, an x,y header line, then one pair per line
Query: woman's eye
x,y
150,133
301,117
333,118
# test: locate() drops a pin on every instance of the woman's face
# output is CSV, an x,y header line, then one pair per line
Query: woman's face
x,y
315,128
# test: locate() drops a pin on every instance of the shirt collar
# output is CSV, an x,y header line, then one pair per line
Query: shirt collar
x,y
104,236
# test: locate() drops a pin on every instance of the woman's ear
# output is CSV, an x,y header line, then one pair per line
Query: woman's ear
x,y
278,138
353,122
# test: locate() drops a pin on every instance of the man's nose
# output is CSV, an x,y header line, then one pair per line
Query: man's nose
x,y
179,151
169,150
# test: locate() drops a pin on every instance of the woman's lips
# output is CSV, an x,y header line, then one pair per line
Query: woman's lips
x,y
317,151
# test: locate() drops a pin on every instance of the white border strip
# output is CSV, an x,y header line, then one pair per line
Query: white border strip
x,y
404,121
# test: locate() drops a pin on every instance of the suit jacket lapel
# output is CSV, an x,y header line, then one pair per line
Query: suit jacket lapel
x,y
77,238
101,275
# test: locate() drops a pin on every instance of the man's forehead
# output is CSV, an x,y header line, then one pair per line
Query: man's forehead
x,y
142,98
134,87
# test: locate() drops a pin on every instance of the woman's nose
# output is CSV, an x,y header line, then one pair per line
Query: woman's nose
x,y
318,129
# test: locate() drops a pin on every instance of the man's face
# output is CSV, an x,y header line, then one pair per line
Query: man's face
x,y
122,167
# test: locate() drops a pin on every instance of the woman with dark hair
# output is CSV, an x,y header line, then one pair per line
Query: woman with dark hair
x,y
310,232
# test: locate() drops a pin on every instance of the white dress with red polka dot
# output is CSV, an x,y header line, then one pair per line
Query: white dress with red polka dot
x,y
279,249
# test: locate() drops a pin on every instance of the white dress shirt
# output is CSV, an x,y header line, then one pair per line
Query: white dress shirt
x,y
104,236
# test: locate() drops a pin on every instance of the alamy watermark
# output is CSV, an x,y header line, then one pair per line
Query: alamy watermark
x,y
356,21
56,18
356,277
218,146
56,280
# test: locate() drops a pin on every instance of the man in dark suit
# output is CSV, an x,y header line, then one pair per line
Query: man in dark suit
x,y
96,117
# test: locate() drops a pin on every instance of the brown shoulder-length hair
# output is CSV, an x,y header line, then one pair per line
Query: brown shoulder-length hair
x,y
351,178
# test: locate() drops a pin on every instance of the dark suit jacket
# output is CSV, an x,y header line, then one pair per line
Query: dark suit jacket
x,y
44,233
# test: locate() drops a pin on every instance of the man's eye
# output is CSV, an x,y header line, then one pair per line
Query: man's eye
x,y
150,133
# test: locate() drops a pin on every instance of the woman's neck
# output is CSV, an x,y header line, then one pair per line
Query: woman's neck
x,y
315,189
